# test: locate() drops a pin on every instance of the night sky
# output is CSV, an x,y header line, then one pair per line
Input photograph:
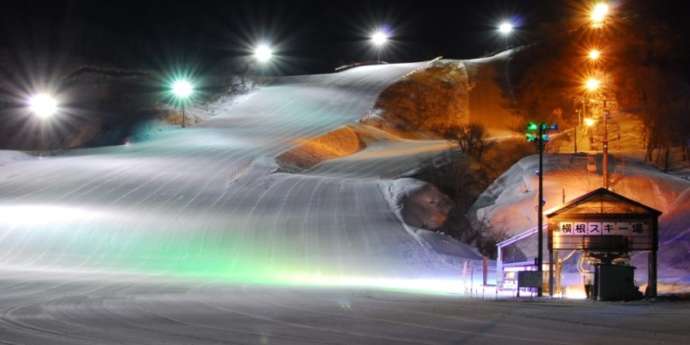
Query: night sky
x,y
310,36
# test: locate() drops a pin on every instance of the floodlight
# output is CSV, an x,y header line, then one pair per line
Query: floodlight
x,y
263,53
592,84
594,55
599,13
182,88
505,28
379,38
43,105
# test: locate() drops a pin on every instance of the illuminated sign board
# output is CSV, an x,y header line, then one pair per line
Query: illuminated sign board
x,y
634,234
603,228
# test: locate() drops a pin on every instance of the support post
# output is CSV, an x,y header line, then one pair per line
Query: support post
x,y
557,272
651,279
551,266
652,262
605,148
540,213
183,117
577,126
499,267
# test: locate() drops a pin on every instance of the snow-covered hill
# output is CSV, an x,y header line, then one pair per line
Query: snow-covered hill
x,y
208,201
507,207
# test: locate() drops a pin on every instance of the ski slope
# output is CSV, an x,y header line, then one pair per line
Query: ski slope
x,y
58,309
208,202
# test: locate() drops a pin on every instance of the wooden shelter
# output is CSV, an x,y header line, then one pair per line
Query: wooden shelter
x,y
606,225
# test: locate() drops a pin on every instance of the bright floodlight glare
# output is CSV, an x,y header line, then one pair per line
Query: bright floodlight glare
x,y
594,54
263,53
592,84
589,122
379,38
599,13
182,88
43,105
505,28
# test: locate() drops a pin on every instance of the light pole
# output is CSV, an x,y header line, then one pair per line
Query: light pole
x,y
379,39
605,146
182,89
593,85
580,105
538,133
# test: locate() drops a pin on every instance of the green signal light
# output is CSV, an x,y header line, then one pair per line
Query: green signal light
x,y
532,127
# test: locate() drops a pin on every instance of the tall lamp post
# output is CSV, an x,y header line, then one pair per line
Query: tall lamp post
x,y
593,85
182,89
593,56
538,133
599,14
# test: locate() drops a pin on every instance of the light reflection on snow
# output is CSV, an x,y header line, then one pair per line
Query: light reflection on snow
x,y
418,285
44,214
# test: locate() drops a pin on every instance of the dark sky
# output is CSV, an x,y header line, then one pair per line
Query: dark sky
x,y
310,36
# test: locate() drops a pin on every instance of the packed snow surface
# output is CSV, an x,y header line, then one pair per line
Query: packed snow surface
x,y
208,201
124,310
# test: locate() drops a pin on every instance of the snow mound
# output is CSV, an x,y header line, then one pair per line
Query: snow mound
x,y
9,157
507,207
420,206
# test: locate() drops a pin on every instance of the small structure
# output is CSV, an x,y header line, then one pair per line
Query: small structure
x,y
605,226
511,261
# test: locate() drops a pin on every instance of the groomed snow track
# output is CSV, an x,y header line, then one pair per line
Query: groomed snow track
x,y
158,242
207,202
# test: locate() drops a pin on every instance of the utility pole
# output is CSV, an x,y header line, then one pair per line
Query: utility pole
x,y
540,212
605,147
577,126
537,133
183,117
182,89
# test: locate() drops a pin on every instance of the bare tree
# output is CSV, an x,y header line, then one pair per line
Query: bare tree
x,y
472,139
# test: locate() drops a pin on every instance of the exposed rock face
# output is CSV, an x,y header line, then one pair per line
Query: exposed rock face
x,y
341,142
422,205
490,93
430,100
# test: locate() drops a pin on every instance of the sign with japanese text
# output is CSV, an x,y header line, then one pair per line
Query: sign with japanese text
x,y
625,228
634,234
